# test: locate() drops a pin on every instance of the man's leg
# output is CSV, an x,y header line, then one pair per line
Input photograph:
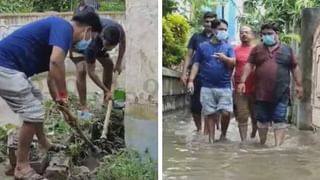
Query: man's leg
x,y
242,114
209,108
251,102
263,116
225,120
197,121
26,133
212,119
196,107
17,91
279,117
225,107
81,83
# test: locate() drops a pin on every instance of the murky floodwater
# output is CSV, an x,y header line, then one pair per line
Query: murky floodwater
x,y
187,155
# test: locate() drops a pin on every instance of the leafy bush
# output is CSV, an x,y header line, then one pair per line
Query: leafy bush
x,y
13,6
57,5
127,165
115,5
175,33
168,6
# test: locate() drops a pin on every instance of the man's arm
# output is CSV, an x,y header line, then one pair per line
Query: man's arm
x,y
56,75
296,73
187,61
194,71
229,61
122,49
246,72
92,74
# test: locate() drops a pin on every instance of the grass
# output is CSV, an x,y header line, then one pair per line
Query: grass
x,y
125,165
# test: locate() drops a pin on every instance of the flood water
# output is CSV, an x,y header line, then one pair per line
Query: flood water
x,y
188,155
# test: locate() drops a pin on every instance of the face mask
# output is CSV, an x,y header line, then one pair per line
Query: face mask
x,y
268,40
222,35
83,44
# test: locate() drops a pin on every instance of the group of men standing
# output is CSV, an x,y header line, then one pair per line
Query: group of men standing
x,y
249,80
43,46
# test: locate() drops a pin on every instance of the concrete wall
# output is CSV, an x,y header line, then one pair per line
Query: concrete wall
x,y
173,93
141,65
310,22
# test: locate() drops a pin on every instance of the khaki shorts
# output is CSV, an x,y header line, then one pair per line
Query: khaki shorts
x,y
244,107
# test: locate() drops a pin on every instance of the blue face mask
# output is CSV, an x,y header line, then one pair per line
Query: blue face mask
x,y
268,40
83,44
222,35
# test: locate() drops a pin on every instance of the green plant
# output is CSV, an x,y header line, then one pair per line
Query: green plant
x,y
175,33
14,6
114,5
127,165
57,5
169,6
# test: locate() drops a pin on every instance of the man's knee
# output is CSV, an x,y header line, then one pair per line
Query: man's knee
x,y
225,114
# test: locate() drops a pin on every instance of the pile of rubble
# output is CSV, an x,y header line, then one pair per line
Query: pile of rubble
x,y
76,161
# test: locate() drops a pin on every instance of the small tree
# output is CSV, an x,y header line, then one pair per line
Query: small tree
x,y
175,33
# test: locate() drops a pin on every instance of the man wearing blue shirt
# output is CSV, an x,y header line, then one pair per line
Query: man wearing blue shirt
x,y
35,48
195,40
215,59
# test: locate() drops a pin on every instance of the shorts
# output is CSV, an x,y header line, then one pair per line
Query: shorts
x,y
215,100
244,107
21,96
195,104
275,112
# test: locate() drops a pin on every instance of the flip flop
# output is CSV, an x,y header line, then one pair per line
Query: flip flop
x,y
31,175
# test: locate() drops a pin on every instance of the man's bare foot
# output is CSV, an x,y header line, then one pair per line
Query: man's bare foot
x,y
22,170
27,174
9,170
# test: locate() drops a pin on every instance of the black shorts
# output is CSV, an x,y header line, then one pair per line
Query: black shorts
x,y
195,104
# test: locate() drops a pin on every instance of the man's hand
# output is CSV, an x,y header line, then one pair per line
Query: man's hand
x,y
220,56
184,79
62,99
241,88
107,95
299,91
190,87
117,68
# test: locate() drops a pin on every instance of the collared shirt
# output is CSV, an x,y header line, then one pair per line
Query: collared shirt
x,y
272,71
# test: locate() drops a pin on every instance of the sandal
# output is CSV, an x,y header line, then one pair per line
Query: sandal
x,y
31,175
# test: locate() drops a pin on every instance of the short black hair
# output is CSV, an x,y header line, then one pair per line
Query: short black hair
x,y
209,14
89,18
111,34
270,25
215,23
